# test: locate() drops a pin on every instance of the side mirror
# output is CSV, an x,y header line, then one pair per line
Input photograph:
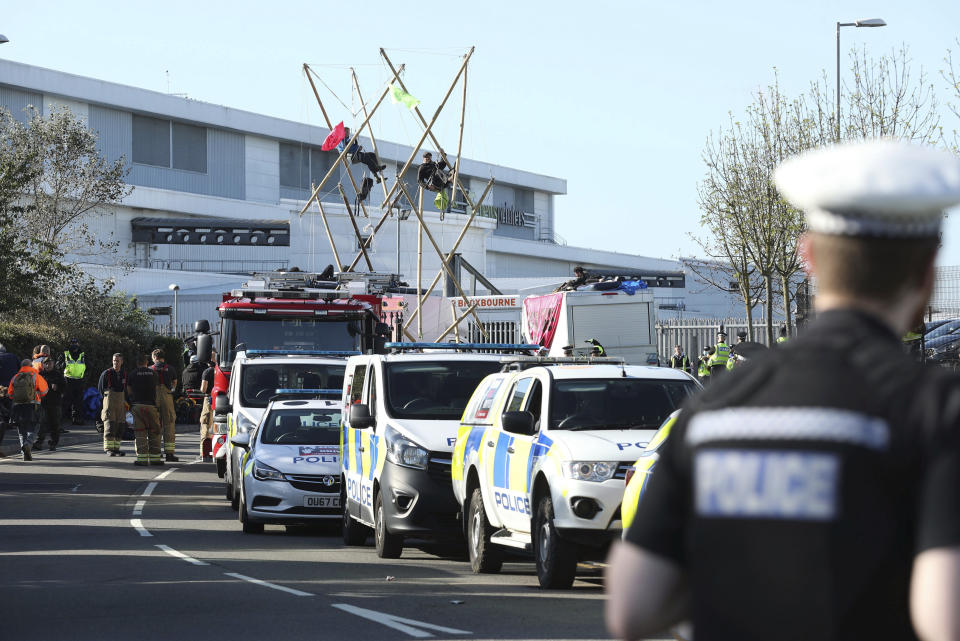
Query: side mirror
x,y
204,347
241,440
360,418
201,327
222,405
517,422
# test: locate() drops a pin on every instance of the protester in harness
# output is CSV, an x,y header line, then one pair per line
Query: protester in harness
x,y
433,176
360,157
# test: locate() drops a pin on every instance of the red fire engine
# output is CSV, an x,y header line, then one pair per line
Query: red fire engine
x,y
291,312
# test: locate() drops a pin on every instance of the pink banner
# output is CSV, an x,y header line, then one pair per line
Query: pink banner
x,y
542,313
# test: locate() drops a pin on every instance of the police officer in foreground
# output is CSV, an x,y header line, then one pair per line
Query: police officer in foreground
x,y
816,494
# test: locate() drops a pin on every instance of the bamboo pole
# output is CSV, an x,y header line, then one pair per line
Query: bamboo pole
x,y
444,263
426,132
356,230
456,167
307,70
343,153
455,326
333,246
423,120
456,245
419,263
456,321
356,85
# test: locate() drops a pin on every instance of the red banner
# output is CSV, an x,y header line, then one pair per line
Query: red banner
x,y
542,313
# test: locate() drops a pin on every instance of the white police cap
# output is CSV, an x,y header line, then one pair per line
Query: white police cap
x,y
878,188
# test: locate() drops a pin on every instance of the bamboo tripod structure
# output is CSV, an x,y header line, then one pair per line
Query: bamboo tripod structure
x,y
417,207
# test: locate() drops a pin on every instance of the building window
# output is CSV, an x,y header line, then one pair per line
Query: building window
x,y
302,165
163,143
189,147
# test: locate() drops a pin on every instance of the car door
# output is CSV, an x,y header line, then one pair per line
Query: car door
x,y
350,455
509,467
368,453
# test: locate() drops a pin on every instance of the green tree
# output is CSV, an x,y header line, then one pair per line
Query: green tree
x,y
28,267
71,183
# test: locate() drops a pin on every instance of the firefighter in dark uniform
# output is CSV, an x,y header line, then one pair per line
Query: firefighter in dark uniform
x,y
142,394
816,494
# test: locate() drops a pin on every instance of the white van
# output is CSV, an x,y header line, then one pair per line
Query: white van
x,y
625,324
402,412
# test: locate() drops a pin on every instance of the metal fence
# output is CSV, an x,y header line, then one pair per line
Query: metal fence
x,y
497,332
182,330
695,334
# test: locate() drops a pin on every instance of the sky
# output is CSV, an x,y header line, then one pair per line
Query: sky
x,y
618,98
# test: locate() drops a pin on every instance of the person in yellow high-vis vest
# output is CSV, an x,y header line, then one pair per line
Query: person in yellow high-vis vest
x,y
74,369
721,354
166,384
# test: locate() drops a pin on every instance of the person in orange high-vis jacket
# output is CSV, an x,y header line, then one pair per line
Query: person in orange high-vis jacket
x,y
26,389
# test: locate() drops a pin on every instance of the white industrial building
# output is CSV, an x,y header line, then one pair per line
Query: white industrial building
x,y
218,191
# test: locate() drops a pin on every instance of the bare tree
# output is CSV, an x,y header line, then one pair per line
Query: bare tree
x,y
747,224
73,182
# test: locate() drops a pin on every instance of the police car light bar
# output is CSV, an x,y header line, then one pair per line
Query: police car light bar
x,y
307,392
555,360
300,352
512,347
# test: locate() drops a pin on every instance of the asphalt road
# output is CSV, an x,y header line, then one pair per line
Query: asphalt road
x,y
92,547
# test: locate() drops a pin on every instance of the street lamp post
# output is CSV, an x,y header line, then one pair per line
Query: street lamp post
x,y
870,22
176,310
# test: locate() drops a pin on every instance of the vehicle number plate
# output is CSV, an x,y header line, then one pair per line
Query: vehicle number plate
x,y
321,501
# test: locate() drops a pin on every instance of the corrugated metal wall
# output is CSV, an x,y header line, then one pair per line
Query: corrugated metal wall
x,y
15,101
225,175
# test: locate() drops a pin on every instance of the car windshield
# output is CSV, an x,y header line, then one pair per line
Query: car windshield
x,y
289,334
260,381
434,390
306,426
618,403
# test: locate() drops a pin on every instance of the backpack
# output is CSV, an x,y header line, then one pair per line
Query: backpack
x,y
24,388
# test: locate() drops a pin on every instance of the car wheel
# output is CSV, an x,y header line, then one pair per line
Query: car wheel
x,y
221,467
234,495
485,557
556,558
389,546
354,533
249,527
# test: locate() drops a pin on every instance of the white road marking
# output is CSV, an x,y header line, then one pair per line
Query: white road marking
x,y
164,475
150,488
138,508
267,584
180,555
138,526
407,626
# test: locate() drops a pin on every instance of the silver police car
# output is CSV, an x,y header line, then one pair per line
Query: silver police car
x,y
291,465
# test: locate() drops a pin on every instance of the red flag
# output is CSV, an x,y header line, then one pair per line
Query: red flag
x,y
335,138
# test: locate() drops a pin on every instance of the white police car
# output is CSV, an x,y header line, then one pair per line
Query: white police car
x,y
542,452
291,465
